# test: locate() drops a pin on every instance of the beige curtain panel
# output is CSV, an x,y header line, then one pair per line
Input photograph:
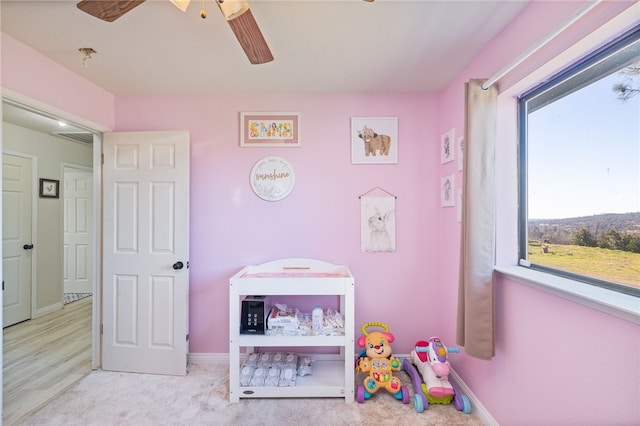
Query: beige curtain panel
x,y
475,328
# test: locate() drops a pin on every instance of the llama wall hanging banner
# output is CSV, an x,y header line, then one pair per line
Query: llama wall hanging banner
x,y
374,140
378,223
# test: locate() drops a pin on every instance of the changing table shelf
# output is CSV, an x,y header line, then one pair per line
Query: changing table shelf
x,y
289,341
333,374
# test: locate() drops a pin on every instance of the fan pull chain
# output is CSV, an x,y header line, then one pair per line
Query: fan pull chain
x,y
203,11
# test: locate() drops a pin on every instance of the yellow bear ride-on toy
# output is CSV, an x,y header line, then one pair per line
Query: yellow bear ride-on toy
x,y
376,359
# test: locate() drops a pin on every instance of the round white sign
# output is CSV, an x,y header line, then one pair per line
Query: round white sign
x,y
272,178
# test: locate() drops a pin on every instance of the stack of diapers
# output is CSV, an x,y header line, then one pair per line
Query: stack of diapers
x,y
273,369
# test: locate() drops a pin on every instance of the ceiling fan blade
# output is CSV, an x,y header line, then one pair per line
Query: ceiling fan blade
x,y
108,10
250,37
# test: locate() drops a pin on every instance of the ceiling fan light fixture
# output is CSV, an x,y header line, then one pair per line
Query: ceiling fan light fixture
x,y
86,52
231,9
181,4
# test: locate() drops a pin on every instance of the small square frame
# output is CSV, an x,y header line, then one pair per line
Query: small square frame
x,y
447,191
460,153
447,147
269,129
49,188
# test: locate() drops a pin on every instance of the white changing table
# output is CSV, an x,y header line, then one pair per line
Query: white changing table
x,y
333,374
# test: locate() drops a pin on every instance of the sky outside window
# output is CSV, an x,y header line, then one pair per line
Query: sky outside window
x,y
584,155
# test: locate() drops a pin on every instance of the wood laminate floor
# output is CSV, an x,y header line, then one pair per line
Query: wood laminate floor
x,y
45,356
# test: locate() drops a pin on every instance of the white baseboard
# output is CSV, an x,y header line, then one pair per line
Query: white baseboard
x,y
208,358
47,310
476,406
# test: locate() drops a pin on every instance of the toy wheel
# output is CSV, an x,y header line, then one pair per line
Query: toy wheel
x,y
425,402
417,403
360,394
405,395
466,404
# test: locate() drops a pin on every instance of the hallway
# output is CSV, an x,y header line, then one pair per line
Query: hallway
x,y
45,356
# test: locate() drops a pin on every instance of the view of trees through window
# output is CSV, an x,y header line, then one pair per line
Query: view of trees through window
x,y
581,195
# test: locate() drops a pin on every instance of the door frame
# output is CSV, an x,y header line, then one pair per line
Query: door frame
x,y
97,130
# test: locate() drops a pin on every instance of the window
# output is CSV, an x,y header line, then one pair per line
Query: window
x,y
579,163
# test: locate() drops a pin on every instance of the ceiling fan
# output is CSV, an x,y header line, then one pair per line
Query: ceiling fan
x,y
236,12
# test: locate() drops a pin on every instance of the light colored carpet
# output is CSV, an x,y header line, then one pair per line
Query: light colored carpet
x,y
202,398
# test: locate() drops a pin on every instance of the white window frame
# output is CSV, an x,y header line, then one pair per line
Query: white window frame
x,y
587,71
621,305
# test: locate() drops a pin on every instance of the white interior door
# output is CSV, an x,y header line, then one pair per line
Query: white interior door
x,y
17,244
78,225
146,252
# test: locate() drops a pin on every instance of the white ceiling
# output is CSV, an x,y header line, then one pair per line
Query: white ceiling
x,y
319,46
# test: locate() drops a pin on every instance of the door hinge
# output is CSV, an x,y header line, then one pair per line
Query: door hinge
x,y
102,158
101,329
2,285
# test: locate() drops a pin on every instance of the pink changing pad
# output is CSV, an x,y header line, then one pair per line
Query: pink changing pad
x,y
293,275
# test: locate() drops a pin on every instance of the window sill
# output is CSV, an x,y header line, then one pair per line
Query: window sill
x,y
618,304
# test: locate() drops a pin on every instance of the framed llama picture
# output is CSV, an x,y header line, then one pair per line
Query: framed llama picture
x,y
374,140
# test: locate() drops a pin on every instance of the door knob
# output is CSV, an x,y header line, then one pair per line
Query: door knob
x,y
178,265
27,246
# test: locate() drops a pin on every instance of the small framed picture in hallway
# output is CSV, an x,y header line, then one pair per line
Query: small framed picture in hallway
x,y
49,188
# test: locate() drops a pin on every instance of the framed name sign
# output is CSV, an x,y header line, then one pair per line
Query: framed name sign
x,y
260,129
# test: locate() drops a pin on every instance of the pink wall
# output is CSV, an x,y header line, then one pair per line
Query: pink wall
x,y
30,74
413,290
231,227
551,366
